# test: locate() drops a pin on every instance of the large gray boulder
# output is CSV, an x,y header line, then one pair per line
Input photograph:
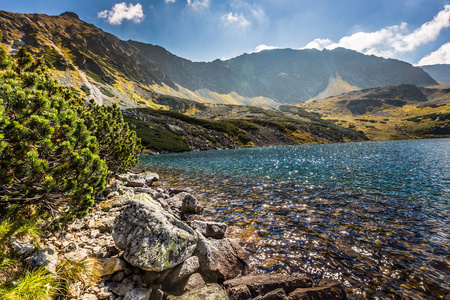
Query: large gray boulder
x,y
151,238
221,259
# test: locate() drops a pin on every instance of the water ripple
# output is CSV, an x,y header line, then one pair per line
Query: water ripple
x,y
373,215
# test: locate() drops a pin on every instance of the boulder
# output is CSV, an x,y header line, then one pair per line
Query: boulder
x,y
150,178
239,292
188,267
111,265
210,229
221,259
208,292
136,183
194,282
151,238
184,203
46,258
260,285
327,289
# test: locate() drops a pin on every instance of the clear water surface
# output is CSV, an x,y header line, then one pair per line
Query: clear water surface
x,y
374,215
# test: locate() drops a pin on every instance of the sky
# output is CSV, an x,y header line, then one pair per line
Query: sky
x,y
415,31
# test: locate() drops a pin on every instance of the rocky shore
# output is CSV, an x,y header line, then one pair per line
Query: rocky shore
x,y
154,244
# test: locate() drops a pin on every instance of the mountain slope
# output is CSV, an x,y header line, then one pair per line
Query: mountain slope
x,y
439,73
393,112
101,66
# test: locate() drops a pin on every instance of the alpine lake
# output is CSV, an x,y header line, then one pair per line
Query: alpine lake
x,y
374,215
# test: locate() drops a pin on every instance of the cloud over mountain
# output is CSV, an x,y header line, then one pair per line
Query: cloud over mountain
x,y
440,56
390,41
122,11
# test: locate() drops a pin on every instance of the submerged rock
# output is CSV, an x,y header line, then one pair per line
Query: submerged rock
x,y
151,238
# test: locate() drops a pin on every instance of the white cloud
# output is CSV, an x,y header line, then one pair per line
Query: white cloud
x,y
318,44
390,41
169,1
440,56
230,19
263,47
198,4
121,11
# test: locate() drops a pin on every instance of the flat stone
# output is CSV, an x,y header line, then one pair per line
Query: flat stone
x,y
151,238
327,289
208,292
88,297
278,294
260,285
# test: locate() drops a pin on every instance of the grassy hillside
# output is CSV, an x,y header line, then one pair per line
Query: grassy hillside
x,y
194,126
396,112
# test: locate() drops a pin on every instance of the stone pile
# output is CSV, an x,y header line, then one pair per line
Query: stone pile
x,y
154,244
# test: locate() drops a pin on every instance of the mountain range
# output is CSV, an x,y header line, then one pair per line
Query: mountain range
x,y
103,67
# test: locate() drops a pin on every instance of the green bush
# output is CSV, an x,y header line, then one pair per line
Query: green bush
x,y
55,152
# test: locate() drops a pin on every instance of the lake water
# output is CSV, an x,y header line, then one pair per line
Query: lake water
x,y
374,215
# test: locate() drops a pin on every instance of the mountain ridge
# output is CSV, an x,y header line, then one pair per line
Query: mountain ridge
x,y
133,73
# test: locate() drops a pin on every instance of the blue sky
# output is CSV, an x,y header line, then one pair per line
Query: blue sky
x,y
416,31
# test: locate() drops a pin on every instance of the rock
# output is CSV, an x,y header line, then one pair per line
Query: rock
x,y
115,202
22,248
157,294
278,294
183,203
111,265
221,259
208,292
151,238
188,267
327,289
88,297
259,285
192,217
144,190
136,183
138,294
194,282
210,229
43,258
124,287
239,292
119,276
105,224
150,178
103,293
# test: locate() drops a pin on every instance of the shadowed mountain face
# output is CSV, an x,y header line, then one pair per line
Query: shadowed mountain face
x,y
284,75
438,72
